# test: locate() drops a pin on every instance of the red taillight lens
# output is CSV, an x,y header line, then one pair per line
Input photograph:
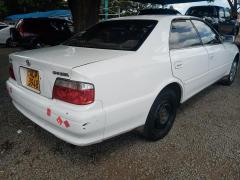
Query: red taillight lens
x,y
73,92
11,72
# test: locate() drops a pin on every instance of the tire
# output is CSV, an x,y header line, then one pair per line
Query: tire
x,y
236,31
162,115
37,44
9,43
229,79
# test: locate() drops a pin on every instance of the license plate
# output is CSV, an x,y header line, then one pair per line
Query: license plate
x,y
32,79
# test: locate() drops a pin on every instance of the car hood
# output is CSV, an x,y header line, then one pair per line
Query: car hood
x,y
68,56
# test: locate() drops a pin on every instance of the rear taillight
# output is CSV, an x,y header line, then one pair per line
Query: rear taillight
x,y
11,72
73,92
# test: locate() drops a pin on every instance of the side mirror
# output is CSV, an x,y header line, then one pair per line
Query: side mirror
x,y
228,38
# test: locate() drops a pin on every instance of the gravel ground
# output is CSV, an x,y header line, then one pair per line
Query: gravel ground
x,y
203,144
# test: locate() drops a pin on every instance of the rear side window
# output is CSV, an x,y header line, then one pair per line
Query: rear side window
x,y
183,35
115,34
221,13
227,13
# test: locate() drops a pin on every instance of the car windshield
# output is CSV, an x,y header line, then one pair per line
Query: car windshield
x,y
202,12
115,34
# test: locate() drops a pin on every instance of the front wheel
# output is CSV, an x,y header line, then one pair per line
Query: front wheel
x,y
228,80
162,115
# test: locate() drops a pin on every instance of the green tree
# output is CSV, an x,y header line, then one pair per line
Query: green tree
x,y
126,8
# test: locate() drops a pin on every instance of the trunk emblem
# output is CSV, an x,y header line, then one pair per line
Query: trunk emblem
x,y
28,63
60,73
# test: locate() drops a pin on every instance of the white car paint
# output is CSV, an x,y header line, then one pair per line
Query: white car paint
x,y
126,82
5,34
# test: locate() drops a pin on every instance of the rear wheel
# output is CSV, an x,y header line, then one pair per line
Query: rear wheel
x,y
162,115
9,43
228,80
37,44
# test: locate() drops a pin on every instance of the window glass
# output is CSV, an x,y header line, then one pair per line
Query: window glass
x,y
183,35
115,34
207,35
227,13
202,11
221,13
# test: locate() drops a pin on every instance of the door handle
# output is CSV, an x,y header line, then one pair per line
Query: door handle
x,y
178,65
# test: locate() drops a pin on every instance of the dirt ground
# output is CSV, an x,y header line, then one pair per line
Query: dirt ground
x,y
203,144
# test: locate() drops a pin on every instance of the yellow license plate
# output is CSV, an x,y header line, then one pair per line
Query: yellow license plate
x,y
32,79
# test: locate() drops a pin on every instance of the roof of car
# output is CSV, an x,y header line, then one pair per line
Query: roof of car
x,y
159,11
154,17
44,19
206,6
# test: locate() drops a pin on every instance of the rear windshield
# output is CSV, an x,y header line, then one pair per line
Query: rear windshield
x,y
116,34
202,12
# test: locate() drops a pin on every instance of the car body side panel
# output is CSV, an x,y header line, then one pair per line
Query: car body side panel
x,y
190,65
5,34
218,61
232,51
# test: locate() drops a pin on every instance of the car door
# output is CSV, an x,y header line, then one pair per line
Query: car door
x,y
218,62
226,25
188,57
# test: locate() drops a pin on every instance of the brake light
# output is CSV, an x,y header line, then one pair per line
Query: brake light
x,y
11,72
73,92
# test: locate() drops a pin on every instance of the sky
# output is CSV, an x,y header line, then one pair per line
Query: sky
x,y
184,6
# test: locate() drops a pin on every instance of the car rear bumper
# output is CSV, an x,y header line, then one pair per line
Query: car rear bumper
x,y
85,125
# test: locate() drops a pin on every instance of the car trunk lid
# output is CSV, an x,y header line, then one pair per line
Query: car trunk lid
x,y
54,62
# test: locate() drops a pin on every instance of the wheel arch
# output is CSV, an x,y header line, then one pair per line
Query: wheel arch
x,y
177,89
237,58
176,86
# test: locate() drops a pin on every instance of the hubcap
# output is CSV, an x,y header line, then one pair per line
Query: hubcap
x,y
163,115
233,71
38,45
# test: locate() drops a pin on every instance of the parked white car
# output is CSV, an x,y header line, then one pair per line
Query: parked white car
x,y
5,33
120,75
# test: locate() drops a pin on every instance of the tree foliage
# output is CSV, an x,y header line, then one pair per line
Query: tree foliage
x,y
126,7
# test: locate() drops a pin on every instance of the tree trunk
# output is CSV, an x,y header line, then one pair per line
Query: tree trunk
x,y
233,5
85,13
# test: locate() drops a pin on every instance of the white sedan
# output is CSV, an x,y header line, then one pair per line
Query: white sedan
x,y
5,33
119,75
